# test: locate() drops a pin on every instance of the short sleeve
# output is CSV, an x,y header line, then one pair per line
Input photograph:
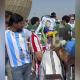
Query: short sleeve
x,y
36,43
70,48
27,33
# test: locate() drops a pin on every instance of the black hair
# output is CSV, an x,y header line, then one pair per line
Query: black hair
x,y
15,18
53,15
34,20
8,13
66,18
72,15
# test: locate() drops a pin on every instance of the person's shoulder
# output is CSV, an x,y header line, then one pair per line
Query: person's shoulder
x,y
29,27
6,31
72,40
71,43
68,25
34,34
53,20
27,33
26,30
70,47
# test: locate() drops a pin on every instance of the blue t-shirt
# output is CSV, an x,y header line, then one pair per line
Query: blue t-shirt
x,y
70,47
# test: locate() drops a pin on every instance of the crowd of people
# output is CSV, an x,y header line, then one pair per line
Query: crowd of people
x,y
39,49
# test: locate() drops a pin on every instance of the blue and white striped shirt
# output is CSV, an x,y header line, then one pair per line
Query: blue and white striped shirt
x,y
17,46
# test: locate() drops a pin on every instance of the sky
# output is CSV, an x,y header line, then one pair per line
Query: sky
x,y
45,7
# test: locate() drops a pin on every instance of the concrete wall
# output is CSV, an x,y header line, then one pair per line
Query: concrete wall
x,y
2,41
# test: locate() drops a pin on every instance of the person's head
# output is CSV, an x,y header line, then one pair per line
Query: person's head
x,y
16,22
65,19
72,18
53,15
7,17
35,21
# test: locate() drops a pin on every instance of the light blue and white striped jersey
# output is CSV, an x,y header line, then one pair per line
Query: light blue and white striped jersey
x,y
16,44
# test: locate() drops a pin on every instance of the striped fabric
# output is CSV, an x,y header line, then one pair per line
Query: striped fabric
x,y
17,46
36,45
49,66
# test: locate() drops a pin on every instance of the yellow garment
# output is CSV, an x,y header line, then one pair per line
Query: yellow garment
x,y
53,34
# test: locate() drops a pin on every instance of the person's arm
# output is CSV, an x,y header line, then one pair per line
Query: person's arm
x,y
36,46
39,55
38,28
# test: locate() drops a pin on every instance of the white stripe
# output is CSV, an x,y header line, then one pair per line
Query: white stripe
x,y
48,63
31,44
22,45
9,52
21,41
16,48
57,63
37,44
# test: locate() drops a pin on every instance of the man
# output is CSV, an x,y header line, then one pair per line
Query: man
x,y
34,23
17,48
72,21
66,30
53,18
37,53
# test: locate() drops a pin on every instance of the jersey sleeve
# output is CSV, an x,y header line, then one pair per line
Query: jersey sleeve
x,y
27,33
36,45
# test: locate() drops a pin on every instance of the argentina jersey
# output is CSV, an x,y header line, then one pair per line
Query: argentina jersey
x,y
17,48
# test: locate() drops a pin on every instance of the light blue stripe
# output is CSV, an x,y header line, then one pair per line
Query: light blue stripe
x,y
18,44
10,43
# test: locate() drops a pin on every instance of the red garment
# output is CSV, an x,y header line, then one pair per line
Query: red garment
x,y
36,46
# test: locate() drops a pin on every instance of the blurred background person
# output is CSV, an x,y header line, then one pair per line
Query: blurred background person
x,y
72,21
65,29
34,24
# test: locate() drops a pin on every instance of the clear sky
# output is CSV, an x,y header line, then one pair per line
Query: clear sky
x,y
45,7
